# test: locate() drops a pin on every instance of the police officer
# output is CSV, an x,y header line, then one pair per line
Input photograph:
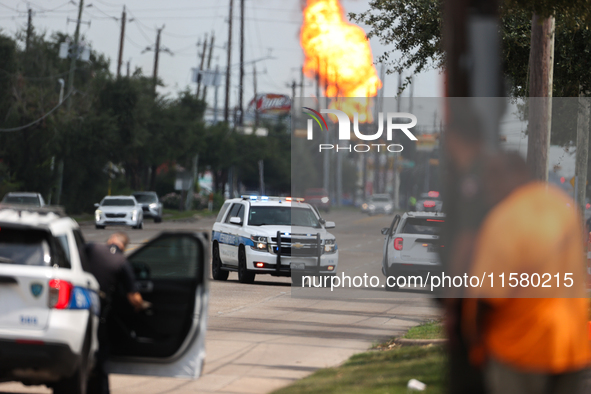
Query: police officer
x,y
111,269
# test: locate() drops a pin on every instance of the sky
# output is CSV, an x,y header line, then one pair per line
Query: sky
x,y
271,33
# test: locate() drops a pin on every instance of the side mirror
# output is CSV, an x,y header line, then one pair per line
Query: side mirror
x,y
322,221
329,225
236,220
96,205
385,231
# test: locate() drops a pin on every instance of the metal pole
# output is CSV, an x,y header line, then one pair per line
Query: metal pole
x,y
215,96
582,153
156,54
74,56
241,84
229,65
204,97
201,66
121,41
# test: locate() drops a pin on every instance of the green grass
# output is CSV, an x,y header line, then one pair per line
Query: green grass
x,y
378,372
384,370
429,330
83,217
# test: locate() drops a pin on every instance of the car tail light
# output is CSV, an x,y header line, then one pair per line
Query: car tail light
x,y
59,293
433,194
398,243
429,204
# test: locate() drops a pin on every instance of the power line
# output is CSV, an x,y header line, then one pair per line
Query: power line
x,y
38,120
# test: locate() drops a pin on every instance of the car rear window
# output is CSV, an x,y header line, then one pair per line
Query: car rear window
x,y
425,226
30,247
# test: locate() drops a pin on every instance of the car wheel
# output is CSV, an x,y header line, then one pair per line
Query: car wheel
x,y
216,264
77,383
296,279
157,219
244,276
99,227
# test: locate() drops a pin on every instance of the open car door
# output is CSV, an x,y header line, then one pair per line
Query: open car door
x,y
166,339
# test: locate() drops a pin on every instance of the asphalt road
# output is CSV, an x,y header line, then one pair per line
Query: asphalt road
x,y
264,336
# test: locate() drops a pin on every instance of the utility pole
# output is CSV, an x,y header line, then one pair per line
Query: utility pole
x,y
29,30
128,68
121,41
199,75
229,65
582,153
209,63
215,97
541,69
74,57
256,110
241,87
156,55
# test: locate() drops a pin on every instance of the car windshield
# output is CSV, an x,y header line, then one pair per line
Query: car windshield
x,y
282,216
380,198
118,202
22,200
145,198
426,226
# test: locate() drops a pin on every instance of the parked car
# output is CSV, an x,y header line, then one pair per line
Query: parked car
x,y
119,211
319,198
24,198
151,205
378,203
49,309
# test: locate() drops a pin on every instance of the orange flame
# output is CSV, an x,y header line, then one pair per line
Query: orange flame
x,y
338,53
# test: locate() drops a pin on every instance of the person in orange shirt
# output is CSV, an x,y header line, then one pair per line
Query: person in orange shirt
x,y
529,338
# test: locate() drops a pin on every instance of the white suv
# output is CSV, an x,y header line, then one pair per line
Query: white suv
x,y
119,211
272,235
50,304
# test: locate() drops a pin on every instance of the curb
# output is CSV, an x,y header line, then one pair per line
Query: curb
x,y
419,342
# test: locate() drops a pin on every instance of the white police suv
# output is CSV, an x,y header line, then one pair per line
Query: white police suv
x,y
50,306
271,235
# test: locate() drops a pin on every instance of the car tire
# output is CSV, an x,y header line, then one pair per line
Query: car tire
x,y
296,279
78,382
244,275
217,272
99,227
157,219
139,226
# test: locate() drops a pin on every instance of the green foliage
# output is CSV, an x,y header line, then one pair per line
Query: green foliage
x,y
378,372
412,29
112,123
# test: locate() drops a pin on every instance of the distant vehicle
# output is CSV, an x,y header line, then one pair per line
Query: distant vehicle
x,y
24,198
378,203
119,211
429,202
318,198
49,309
412,245
279,236
151,205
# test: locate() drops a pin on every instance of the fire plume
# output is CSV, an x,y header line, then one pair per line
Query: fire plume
x,y
337,52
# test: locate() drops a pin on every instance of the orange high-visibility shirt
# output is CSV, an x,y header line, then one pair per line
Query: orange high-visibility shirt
x,y
535,230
